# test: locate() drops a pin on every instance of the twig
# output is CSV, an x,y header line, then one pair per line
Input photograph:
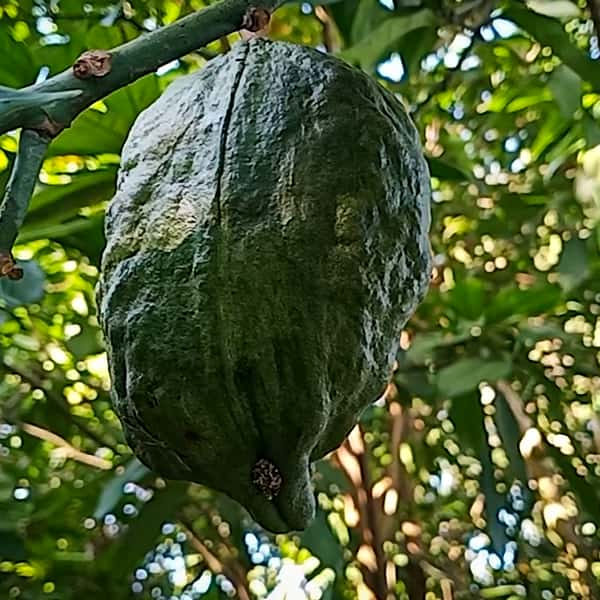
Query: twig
x,y
133,60
68,450
60,405
22,106
400,424
328,28
25,171
213,562
515,404
353,459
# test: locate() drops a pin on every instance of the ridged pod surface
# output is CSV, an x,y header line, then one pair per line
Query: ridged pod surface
x,y
265,246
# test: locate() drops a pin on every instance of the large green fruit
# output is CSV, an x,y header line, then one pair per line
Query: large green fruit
x,y
266,244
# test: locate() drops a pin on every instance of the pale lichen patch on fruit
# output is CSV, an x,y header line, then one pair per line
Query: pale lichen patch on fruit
x,y
174,223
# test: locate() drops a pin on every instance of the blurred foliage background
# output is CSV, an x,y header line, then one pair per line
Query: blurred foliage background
x,y
478,474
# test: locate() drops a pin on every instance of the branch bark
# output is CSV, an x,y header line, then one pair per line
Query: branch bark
x,y
214,563
68,449
131,61
32,148
43,110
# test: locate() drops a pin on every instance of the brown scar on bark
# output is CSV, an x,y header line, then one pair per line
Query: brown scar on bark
x,y
93,63
256,19
50,128
8,267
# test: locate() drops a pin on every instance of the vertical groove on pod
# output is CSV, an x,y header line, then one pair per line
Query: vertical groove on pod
x,y
225,130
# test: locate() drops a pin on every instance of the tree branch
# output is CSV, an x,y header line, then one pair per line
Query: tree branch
x,y
32,148
69,450
43,110
131,61
214,563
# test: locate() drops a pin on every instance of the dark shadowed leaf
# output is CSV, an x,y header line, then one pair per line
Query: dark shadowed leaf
x,y
12,546
343,14
508,428
494,501
374,46
512,302
466,375
59,203
467,415
573,266
468,298
445,170
113,489
565,85
104,131
123,556
550,32
592,131
319,539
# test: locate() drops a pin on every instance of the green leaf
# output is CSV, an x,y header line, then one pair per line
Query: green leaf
x,y
494,501
573,267
467,415
552,130
12,547
57,204
368,51
466,375
86,189
113,490
424,345
550,32
508,428
529,99
565,86
415,382
328,475
444,169
343,14
414,47
120,559
27,290
530,335
368,15
55,230
468,298
20,69
86,343
95,132
511,302
591,130
319,539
